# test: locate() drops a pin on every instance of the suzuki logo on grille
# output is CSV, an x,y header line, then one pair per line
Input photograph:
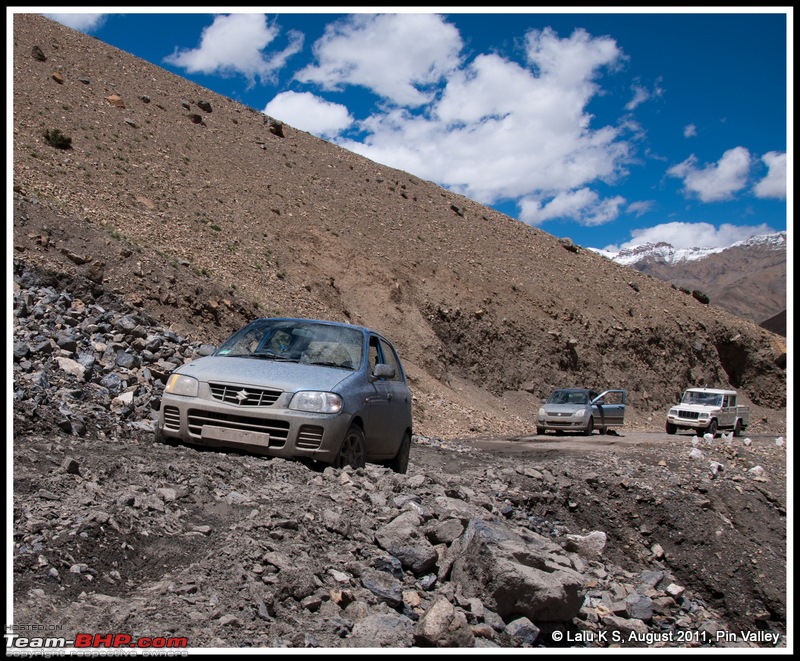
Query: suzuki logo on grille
x,y
241,395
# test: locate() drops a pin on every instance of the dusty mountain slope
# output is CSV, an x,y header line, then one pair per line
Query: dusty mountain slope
x,y
205,213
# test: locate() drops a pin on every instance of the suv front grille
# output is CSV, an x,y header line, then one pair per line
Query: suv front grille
x,y
243,396
688,415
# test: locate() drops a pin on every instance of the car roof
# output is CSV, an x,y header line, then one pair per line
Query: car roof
x,y
712,391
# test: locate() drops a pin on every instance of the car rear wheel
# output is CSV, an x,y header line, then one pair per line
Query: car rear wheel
x,y
737,430
400,462
589,427
353,450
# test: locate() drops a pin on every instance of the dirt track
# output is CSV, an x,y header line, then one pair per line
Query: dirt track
x,y
622,441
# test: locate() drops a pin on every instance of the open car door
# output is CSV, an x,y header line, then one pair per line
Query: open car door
x,y
609,408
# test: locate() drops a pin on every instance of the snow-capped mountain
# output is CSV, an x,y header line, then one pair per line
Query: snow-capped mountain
x,y
747,278
668,254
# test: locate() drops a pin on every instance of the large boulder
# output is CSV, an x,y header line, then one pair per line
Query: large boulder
x,y
514,575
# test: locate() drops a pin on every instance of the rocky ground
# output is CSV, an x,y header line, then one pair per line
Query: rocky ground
x,y
636,540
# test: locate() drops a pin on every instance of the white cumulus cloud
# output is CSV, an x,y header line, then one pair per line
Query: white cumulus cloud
x,y
310,113
235,44
502,130
716,181
774,184
584,206
82,22
397,56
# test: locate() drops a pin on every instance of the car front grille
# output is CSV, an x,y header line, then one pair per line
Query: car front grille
x,y
278,430
688,415
243,396
309,437
172,418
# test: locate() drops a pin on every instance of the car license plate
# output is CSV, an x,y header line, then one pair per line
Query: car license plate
x,y
237,436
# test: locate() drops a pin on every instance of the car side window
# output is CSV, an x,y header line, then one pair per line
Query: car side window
x,y
390,358
374,353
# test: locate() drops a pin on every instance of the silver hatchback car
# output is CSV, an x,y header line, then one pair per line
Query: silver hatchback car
x,y
581,410
295,388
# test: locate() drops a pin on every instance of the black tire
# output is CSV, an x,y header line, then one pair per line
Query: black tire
x,y
159,437
712,428
603,430
737,429
671,429
540,431
589,427
353,449
400,462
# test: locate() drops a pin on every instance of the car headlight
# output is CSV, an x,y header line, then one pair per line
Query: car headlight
x,y
316,402
180,384
541,414
703,416
579,413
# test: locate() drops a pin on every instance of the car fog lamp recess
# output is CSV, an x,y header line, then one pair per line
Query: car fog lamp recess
x,y
179,384
316,402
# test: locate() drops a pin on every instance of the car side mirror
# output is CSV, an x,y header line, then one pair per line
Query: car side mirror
x,y
383,371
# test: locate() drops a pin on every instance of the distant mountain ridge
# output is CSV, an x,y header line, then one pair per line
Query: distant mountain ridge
x,y
747,278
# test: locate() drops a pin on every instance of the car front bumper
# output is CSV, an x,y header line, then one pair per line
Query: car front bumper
x,y
268,431
688,423
557,423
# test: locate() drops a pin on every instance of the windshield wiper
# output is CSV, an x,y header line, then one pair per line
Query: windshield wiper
x,y
263,356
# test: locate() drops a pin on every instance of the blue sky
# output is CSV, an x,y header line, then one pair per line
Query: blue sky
x,y
613,129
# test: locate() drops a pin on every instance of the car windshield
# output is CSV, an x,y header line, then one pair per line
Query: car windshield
x,y
297,341
568,397
703,398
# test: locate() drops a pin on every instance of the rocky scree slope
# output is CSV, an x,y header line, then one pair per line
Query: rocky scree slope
x,y
115,533
204,213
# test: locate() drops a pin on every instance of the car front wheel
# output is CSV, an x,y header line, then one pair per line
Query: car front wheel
x,y
353,450
400,462
671,429
589,428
